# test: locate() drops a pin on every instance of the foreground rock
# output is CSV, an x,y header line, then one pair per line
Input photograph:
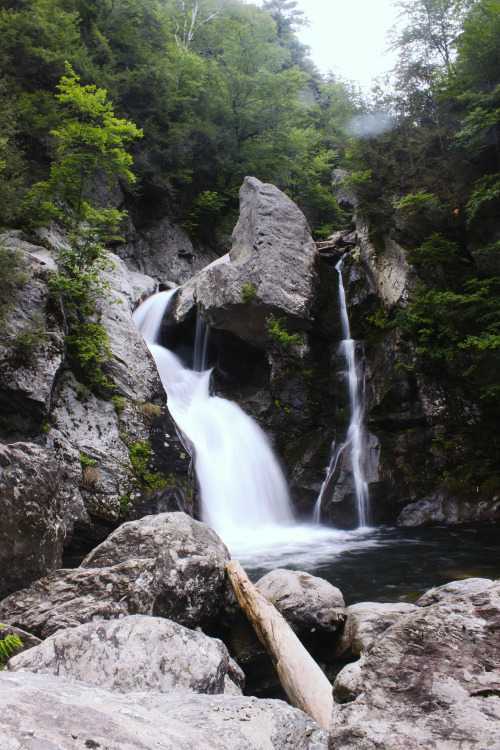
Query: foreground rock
x,y
52,712
305,601
365,622
270,270
132,654
33,527
167,565
431,680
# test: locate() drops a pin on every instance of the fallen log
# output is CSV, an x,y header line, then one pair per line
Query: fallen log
x,y
303,681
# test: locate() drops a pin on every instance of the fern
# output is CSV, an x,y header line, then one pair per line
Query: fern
x,y
7,646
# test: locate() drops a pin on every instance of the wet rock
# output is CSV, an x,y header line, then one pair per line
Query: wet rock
x,y
365,622
167,566
447,505
305,601
133,654
431,680
47,711
33,528
271,269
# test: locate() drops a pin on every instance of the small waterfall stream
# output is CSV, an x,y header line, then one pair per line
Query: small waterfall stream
x,y
354,439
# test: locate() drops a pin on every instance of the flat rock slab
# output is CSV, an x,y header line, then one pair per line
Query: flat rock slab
x,y
132,654
44,712
431,680
307,602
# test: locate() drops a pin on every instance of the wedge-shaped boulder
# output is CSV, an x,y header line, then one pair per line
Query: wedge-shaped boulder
x,y
271,269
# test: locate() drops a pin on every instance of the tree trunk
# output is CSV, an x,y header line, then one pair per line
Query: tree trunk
x,y
303,681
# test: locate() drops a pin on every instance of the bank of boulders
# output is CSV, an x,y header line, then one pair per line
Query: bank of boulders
x,y
130,659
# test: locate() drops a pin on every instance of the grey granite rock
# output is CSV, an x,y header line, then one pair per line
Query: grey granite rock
x,y
132,654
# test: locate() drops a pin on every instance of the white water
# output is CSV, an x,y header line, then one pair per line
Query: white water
x,y
244,495
354,439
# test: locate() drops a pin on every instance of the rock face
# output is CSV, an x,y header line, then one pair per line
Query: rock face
x,y
31,340
88,438
419,424
43,711
163,250
431,680
305,601
270,270
365,622
166,565
132,654
446,505
33,528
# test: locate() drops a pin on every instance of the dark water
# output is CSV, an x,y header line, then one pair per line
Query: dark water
x,y
400,564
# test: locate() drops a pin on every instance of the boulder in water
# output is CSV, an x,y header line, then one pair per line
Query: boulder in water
x,y
431,680
305,601
365,622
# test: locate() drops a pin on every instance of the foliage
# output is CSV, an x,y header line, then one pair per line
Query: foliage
x,y
248,292
11,277
90,142
7,646
416,203
139,457
277,328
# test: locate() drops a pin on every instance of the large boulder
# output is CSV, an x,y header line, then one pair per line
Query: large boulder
x,y
44,711
189,560
447,505
305,601
33,528
166,565
365,622
133,654
431,680
271,269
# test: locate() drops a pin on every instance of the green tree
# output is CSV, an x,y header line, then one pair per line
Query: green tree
x,y
90,143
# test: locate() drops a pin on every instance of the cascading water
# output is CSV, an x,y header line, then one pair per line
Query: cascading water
x,y
244,495
242,487
354,439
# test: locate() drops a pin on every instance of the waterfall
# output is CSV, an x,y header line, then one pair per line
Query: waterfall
x,y
354,439
243,490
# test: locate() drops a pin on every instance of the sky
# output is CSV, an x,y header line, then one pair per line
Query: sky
x,y
348,37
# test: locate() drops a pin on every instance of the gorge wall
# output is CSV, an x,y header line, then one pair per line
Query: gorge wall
x,y
272,307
